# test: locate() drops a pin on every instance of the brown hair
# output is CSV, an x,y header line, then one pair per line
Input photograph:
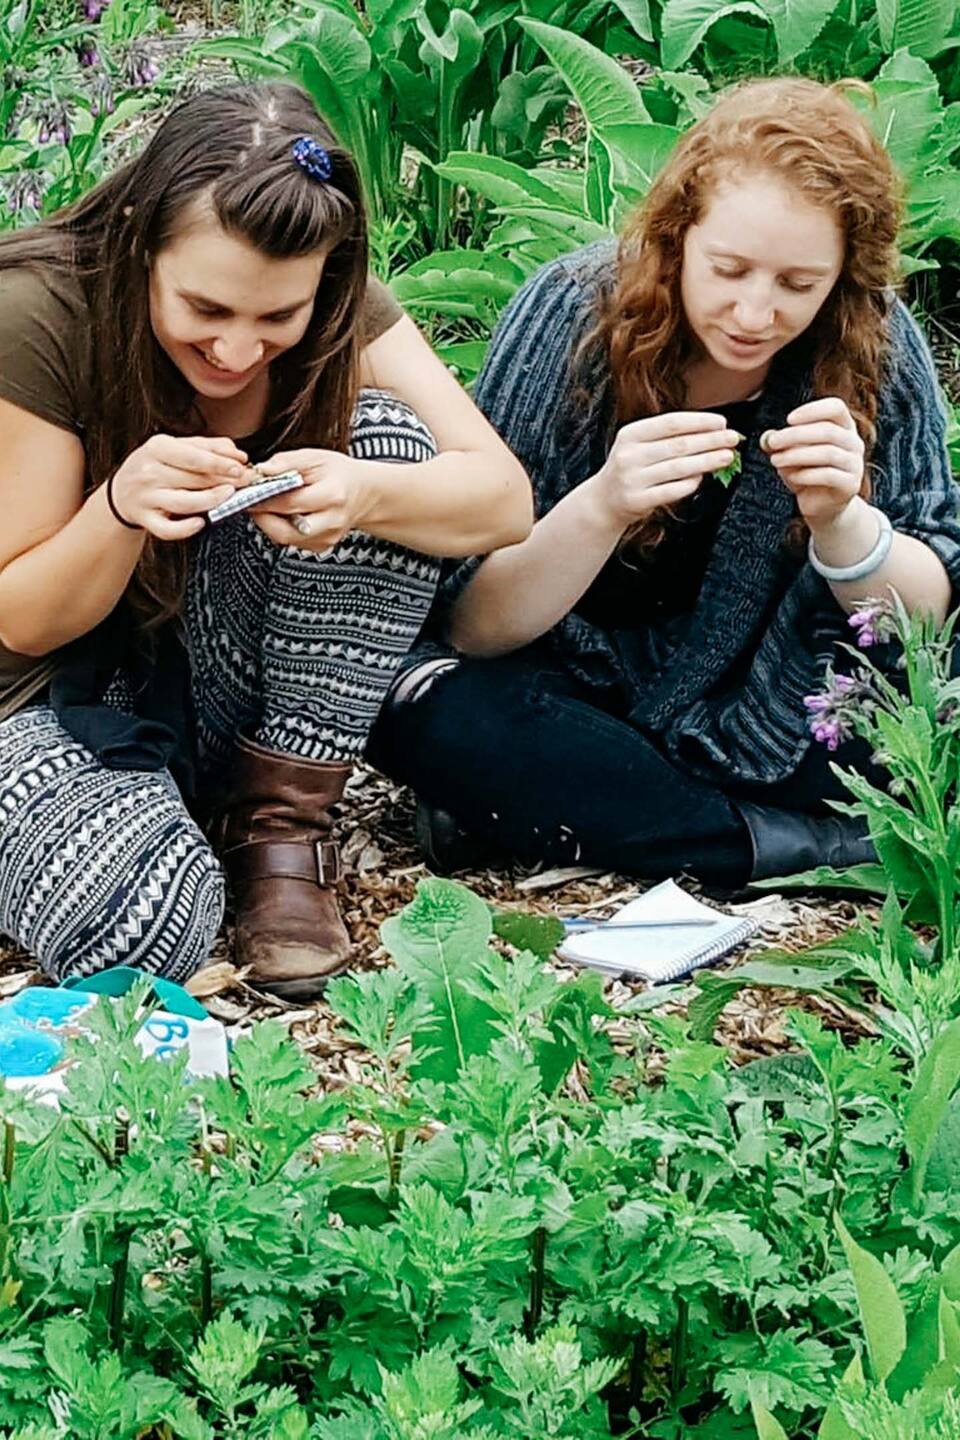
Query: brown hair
x,y
812,136
231,148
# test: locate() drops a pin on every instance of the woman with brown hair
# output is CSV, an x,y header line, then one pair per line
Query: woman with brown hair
x,y
634,696
204,311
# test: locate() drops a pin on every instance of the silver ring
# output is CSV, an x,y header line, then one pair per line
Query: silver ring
x,y
302,524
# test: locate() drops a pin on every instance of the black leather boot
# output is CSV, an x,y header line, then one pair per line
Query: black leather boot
x,y
785,842
444,845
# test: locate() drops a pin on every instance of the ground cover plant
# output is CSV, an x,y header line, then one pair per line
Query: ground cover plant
x,y
533,1231
72,77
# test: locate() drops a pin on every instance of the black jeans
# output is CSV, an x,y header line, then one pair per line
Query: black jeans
x,y
519,754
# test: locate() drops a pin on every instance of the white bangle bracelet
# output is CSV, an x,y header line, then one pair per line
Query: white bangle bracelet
x,y
863,567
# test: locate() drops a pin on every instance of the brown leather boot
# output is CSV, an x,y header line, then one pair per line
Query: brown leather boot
x,y
282,866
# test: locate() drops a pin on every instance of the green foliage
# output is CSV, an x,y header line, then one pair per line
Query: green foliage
x,y
910,716
456,115
953,437
475,93
878,1406
523,1236
506,1228
429,79
68,88
881,1313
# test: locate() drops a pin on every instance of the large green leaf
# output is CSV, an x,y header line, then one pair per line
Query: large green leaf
x,y
242,51
881,1313
909,114
949,1332
439,941
778,969
540,934
943,1159
464,357
578,229
796,24
526,102
768,1426
502,182
778,1077
920,26
637,12
933,210
604,91
637,153
386,14
458,282
458,47
871,878
685,22
335,65
928,1101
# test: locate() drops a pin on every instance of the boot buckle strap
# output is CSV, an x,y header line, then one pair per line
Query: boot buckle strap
x,y
329,869
317,861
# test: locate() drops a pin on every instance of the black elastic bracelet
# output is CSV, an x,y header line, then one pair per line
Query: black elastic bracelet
x,y
128,524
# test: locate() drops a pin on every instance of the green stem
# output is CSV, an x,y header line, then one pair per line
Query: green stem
x,y
118,1289
206,1291
678,1358
394,1159
638,1367
531,1319
836,1134
9,1141
444,187
100,1148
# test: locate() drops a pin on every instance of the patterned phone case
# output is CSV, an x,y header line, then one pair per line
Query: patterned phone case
x,y
252,494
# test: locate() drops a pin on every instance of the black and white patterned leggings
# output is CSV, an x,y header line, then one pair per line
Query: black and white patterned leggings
x,y
104,867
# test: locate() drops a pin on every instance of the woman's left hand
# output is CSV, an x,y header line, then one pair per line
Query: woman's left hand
x,y
819,456
325,508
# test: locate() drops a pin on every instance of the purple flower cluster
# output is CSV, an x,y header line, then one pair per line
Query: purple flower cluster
x,y
93,9
873,623
831,712
87,54
101,100
25,192
140,68
54,126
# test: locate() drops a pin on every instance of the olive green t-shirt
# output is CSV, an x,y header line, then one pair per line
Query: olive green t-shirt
x,y
45,350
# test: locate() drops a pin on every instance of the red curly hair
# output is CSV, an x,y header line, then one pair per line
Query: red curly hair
x,y
804,133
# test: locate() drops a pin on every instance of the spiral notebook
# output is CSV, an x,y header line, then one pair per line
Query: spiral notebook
x,y
644,940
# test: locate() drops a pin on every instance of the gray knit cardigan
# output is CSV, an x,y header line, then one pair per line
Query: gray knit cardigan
x,y
723,689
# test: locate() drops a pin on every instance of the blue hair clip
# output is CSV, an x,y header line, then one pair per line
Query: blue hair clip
x,y
311,156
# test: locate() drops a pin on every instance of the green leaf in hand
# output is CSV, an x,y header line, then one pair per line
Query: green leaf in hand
x,y
727,475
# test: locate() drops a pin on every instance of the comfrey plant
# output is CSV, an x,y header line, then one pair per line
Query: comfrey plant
x,y
905,704
903,1383
907,709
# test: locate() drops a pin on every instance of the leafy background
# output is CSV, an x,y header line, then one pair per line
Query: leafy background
x,y
535,1208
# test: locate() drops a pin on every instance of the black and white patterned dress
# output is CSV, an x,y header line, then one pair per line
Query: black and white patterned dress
x,y
101,867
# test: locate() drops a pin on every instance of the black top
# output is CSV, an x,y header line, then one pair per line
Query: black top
x,y
633,590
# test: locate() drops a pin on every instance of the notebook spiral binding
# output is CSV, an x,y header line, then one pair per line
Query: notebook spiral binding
x,y
699,957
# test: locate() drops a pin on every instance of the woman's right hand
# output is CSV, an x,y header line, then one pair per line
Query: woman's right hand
x,y
660,461
167,485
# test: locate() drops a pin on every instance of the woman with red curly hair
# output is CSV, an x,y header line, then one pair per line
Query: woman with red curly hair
x,y
626,686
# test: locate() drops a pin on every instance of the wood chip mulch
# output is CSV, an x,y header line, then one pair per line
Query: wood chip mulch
x,y
383,867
